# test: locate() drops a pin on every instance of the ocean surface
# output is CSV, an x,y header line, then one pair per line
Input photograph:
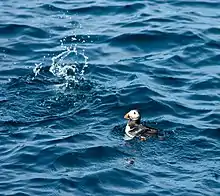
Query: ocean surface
x,y
70,70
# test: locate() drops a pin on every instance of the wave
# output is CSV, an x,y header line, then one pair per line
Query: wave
x,y
204,4
70,70
149,40
96,9
12,30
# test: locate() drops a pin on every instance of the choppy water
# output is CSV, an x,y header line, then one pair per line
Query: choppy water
x,y
69,72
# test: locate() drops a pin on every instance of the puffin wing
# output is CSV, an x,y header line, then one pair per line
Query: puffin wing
x,y
143,130
151,130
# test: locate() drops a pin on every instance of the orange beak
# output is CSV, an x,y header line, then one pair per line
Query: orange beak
x,y
126,116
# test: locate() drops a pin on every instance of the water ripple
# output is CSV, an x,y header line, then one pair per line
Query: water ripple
x,y
71,70
97,10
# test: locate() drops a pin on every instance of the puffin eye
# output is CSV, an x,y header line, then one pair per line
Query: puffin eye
x,y
134,112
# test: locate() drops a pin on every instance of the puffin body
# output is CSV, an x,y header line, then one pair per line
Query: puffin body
x,y
134,128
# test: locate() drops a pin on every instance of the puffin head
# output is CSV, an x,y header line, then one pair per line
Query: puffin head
x,y
133,115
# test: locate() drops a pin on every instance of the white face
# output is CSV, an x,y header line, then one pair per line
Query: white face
x,y
134,115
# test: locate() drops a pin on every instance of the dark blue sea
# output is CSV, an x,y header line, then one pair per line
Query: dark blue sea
x,y
70,71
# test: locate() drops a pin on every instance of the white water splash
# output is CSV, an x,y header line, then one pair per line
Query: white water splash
x,y
62,67
37,69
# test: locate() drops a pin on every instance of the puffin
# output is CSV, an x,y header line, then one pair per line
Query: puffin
x,y
134,128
